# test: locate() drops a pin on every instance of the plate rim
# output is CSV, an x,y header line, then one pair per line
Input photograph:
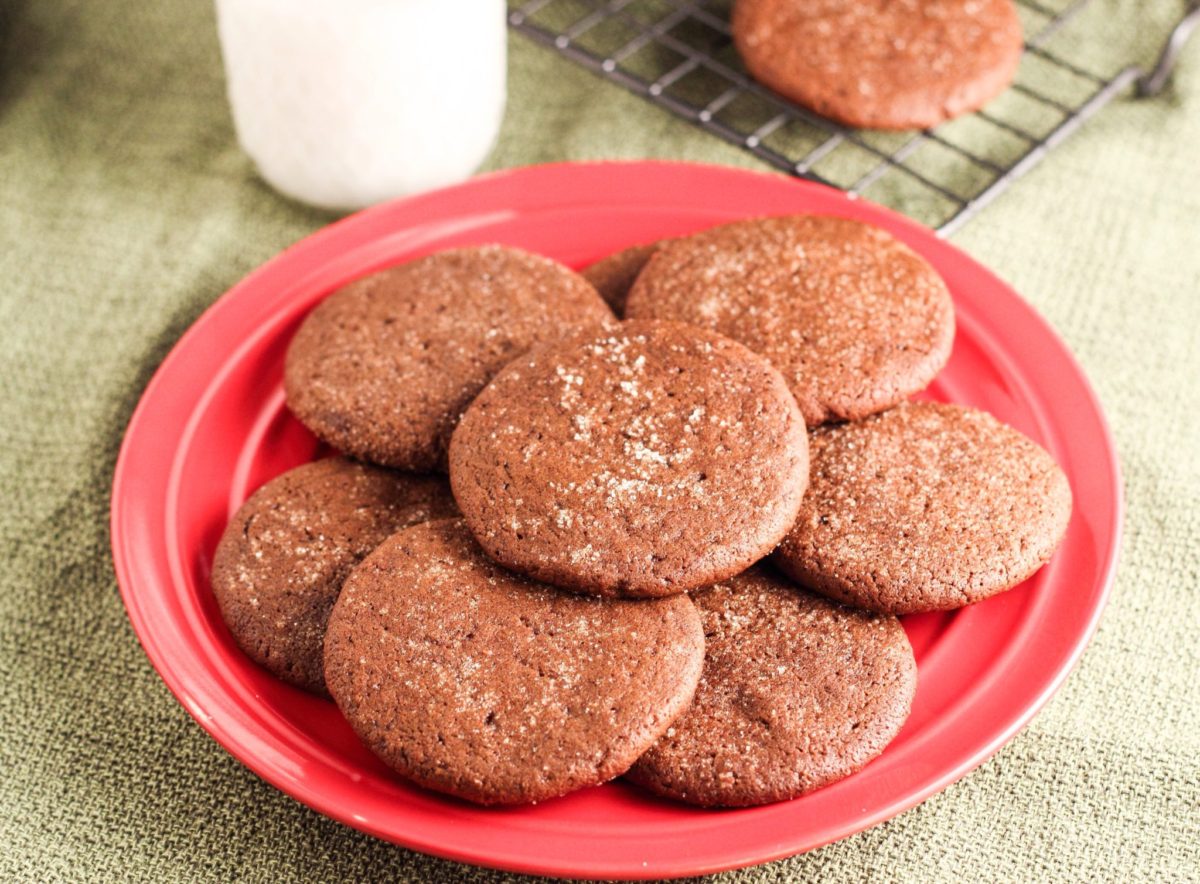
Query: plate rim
x,y
124,565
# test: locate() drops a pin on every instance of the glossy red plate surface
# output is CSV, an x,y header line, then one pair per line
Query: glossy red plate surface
x,y
212,426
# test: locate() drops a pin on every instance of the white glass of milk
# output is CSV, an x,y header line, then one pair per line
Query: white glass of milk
x,y
344,103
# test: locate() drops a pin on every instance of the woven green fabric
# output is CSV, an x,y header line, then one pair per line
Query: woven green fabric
x,y
126,208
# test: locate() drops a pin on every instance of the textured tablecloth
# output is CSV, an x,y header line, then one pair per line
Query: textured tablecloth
x,y
126,208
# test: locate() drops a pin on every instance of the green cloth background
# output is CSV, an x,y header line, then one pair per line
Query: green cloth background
x,y
126,208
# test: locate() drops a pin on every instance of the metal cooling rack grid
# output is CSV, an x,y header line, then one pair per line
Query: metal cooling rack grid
x,y
678,54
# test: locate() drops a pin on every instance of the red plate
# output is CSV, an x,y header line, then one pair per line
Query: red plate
x,y
212,426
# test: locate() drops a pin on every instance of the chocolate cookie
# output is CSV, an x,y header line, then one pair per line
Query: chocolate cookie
x,y
613,276
641,461
926,507
797,692
474,681
280,564
383,368
880,63
854,319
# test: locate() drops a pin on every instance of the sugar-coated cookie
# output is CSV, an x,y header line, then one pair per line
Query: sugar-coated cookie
x,y
854,319
797,692
644,460
383,368
280,564
614,275
926,507
471,680
887,64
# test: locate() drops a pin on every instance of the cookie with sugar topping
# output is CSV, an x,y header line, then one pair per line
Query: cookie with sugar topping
x,y
614,275
926,507
646,460
471,680
383,368
797,692
854,319
280,563
887,64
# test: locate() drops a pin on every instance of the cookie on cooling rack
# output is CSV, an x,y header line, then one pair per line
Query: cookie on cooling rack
x,y
854,319
797,692
471,680
280,564
878,63
926,507
383,368
644,460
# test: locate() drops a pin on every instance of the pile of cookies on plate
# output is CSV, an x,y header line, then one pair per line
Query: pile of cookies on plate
x,y
672,546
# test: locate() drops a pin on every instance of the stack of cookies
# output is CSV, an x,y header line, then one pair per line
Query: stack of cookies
x,y
672,546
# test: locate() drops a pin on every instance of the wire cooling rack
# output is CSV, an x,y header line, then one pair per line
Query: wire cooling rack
x,y
678,54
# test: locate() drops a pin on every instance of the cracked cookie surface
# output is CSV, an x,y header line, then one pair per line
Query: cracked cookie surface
x,y
645,460
854,319
926,507
888,64
281,561
472,680
796,692
383,368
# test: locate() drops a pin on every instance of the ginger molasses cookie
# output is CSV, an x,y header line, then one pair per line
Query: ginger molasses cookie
x,y
854,319
383,368
644,460
886,64
613,276
471,680
926,507
280,564
797,692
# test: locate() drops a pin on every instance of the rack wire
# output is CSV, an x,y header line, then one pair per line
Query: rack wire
x,y
679,55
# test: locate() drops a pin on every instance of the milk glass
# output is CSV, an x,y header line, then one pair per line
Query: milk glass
x,y
344,103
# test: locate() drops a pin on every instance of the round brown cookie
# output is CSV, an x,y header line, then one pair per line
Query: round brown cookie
x,y
854,319
640,461
280,564
474,681
886,64
383,368
926,507
613,276
797,692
